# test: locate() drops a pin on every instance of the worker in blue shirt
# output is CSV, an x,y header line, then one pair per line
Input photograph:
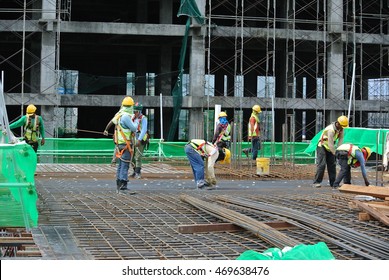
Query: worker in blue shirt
x,y
141,140
124,128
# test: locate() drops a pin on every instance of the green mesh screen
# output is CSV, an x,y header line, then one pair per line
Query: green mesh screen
x,y
89,150
17,186
372,138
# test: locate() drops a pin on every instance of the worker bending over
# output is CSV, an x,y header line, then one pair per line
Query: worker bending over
x,y
349,155
197,150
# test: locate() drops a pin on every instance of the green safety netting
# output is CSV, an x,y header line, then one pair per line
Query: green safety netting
x,y
90,150
375,139
318,251
190,9
17,186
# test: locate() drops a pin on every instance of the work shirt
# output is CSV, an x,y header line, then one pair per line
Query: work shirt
x,y
354,155
329,137
30,131
254,127
128,126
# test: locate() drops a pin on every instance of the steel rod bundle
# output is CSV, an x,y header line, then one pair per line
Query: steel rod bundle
x,y
364,242
261,230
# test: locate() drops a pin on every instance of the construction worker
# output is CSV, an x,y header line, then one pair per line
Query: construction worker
x,y
124,127
349,155
222,136
141,139
254,133
114,120
325,150
33,127
197,150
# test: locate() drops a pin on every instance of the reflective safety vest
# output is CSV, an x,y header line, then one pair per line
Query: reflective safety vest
x,y
324,136
256,131
224,134
200,146
122,135
351,157
139,129
31,128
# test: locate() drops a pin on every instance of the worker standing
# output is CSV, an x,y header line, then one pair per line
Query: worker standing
x,y
124,127
325,150
141,139
33,127
222,136
197,150
349,155
113,121
254,133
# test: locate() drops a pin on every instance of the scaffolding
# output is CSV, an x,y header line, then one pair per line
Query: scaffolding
x,y
338,31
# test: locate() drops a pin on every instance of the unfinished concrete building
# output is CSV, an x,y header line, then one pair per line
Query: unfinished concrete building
x,y
305,63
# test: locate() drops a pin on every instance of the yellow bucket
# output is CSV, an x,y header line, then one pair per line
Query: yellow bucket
x,y
263,166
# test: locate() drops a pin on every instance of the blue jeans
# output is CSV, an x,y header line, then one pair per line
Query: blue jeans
x,y
124,164
196,162
254,147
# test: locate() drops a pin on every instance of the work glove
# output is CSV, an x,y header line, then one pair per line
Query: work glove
x,y
367,182
43,141
105,132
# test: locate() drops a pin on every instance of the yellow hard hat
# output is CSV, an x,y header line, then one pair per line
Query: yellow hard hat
x,y
257,108
343,121
368,151
31,109
128,101
222,114
227,156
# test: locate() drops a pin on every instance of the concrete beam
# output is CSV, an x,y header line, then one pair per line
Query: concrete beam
x,y
178,30
81,100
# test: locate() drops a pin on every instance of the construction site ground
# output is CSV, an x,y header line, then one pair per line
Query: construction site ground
x,y
81,215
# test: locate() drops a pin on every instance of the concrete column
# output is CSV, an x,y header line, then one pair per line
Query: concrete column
x,y
197,72
335,56
48,76
166,12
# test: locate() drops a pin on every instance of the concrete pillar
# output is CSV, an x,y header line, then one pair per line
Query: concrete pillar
x,y
48,75
335,71
166,12
197,72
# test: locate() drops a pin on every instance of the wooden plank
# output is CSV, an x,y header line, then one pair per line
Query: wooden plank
x,y
380,192
198,228
373,212
15,241
363,216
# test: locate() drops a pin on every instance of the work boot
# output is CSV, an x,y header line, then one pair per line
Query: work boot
x,y
137,173
133,174
246,152
123,185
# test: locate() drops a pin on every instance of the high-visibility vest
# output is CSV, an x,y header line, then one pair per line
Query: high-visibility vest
x,y
351,150
126,131
139,129
324,136
199,146
254,133
31,128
